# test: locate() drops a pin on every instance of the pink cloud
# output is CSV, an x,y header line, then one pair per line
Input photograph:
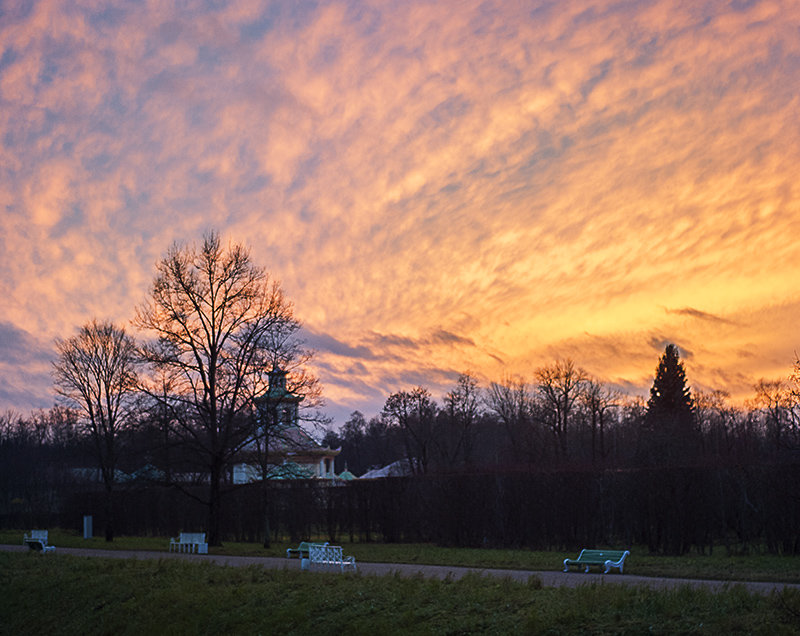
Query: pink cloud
x,y
532,179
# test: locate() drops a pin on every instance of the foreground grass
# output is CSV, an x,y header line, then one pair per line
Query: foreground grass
x,y
60,594
719,566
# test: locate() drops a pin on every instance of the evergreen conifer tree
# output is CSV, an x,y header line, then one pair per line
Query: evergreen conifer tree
x,y
670,433
669,394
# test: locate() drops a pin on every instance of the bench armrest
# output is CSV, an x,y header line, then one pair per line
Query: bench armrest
x,y
619,564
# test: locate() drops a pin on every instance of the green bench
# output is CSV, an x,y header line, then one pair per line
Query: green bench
x,y
606,558
302,550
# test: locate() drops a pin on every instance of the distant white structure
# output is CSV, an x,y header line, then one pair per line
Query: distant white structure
x,y
400,468
291,453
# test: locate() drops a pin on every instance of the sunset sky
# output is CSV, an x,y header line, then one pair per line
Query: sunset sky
x,y
439,186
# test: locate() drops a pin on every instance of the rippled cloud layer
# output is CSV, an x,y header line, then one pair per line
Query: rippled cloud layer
x,y
439,186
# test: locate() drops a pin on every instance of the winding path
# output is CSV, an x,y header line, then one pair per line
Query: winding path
x,y
548,578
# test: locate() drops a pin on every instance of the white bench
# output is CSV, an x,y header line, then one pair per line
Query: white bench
x,y
37,540
193,542
329,556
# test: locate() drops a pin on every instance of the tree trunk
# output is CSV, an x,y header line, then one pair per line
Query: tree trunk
x,y
215,507
265,504
109,512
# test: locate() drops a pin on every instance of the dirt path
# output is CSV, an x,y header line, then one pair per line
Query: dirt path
x,y
548,578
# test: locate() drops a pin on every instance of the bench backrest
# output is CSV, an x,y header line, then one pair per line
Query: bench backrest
x,y
192,537
601,555
305,545
39,534
325,553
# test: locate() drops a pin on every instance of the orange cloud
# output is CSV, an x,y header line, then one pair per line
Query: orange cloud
x,y
540,180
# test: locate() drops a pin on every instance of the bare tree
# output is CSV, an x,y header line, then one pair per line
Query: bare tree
x,y
95,373
217,318
278,414
794,402
718,421
414,412
598,399
774,399
462,408
352,435
559,386
382,443
512,403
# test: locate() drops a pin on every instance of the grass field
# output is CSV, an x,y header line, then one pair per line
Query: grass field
x,y
754,567
61,594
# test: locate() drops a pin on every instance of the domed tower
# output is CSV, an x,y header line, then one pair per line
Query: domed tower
x,y
290,451
278,406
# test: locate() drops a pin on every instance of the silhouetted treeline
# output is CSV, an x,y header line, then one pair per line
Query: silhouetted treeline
x,y
564,419
562,461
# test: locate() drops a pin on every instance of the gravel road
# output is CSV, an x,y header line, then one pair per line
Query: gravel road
x,y
548,578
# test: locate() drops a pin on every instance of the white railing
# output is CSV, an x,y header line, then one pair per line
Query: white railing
x,y
329,556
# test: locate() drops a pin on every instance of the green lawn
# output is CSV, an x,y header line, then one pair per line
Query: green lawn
x,y
757,567
61,594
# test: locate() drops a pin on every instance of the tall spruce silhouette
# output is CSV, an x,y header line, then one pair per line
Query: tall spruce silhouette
x,y
669,394
670,430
